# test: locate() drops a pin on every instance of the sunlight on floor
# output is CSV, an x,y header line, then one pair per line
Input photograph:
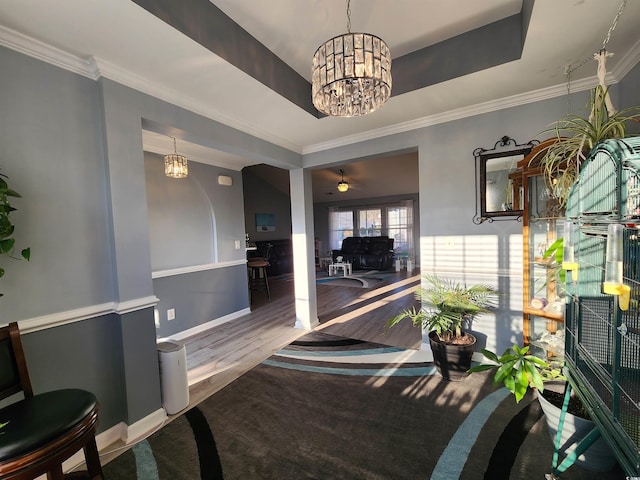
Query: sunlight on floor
x,y
387,288
366,309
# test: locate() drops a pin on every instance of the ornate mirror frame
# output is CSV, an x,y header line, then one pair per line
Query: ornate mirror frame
x,y
498,185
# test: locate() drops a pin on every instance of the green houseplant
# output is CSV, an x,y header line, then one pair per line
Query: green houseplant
x,y
7,241
554,254
518,370
576,136
446,305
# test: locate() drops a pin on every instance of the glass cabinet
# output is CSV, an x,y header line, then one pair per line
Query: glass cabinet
x,y
543,277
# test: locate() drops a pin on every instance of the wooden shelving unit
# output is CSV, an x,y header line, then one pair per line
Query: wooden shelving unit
x,y
542,224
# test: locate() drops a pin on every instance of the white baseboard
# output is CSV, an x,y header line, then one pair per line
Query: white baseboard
x,y
120,434
206,326
144,426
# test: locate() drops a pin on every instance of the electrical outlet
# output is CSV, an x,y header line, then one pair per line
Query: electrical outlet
x,y
237,244
171,314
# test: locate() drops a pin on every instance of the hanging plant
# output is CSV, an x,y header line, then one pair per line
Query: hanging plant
x,y
576,136
7,242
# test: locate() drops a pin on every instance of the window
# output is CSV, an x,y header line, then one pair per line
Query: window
x,y
400,228
370,222
393,220
340,226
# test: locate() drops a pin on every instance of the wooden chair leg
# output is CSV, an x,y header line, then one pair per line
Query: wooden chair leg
x,y
55,473
93,460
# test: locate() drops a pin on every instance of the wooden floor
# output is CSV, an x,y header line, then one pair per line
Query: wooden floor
x,y
219,356
224,353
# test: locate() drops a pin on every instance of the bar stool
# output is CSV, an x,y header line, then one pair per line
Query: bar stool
x,y
258,276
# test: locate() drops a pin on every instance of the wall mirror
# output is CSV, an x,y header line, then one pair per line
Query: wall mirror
x,y
499,181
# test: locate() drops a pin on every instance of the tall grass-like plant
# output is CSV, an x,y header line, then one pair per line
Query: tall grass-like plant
x,y
445,304
7,241
576,136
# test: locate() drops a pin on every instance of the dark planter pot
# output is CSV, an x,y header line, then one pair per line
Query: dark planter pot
x,y
452,361
598,457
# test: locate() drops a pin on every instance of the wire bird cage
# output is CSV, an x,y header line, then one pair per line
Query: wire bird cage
x,y
602,352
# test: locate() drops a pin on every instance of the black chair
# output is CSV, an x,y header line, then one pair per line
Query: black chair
x,y
43,430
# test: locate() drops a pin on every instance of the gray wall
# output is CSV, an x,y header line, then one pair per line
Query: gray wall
x,y
72,147
52,151
629,89
261,197
200,297
194,223
51,148
182,220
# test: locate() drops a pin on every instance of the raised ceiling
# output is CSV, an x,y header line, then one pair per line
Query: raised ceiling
x,y
121,40
378,177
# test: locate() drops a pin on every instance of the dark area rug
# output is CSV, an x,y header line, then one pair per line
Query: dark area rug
x,y
358,279
327,407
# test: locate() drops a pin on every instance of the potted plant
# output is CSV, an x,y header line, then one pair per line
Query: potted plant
x,y
575,136
555,275
7,242
446,306
519,371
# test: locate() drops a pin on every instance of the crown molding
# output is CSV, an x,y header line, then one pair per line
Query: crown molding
x,y
622,68
626,63
41,51
142,84
94,68
451,115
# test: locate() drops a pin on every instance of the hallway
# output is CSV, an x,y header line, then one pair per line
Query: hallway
x,y
224,353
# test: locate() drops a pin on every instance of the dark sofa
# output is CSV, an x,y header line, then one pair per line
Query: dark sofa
x,y
279,255
366,253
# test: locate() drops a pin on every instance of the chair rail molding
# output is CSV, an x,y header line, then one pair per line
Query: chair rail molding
x,y
44,322
196,268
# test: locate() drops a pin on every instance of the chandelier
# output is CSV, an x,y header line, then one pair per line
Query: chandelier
x,y
351,74
175,166
342,185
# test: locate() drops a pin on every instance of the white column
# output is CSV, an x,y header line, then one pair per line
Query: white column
x,y
304,270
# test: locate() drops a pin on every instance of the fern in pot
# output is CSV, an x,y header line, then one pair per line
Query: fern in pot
x,y
446,307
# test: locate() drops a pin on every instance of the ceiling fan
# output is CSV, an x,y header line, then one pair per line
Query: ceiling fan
x,y
342,185
339,184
